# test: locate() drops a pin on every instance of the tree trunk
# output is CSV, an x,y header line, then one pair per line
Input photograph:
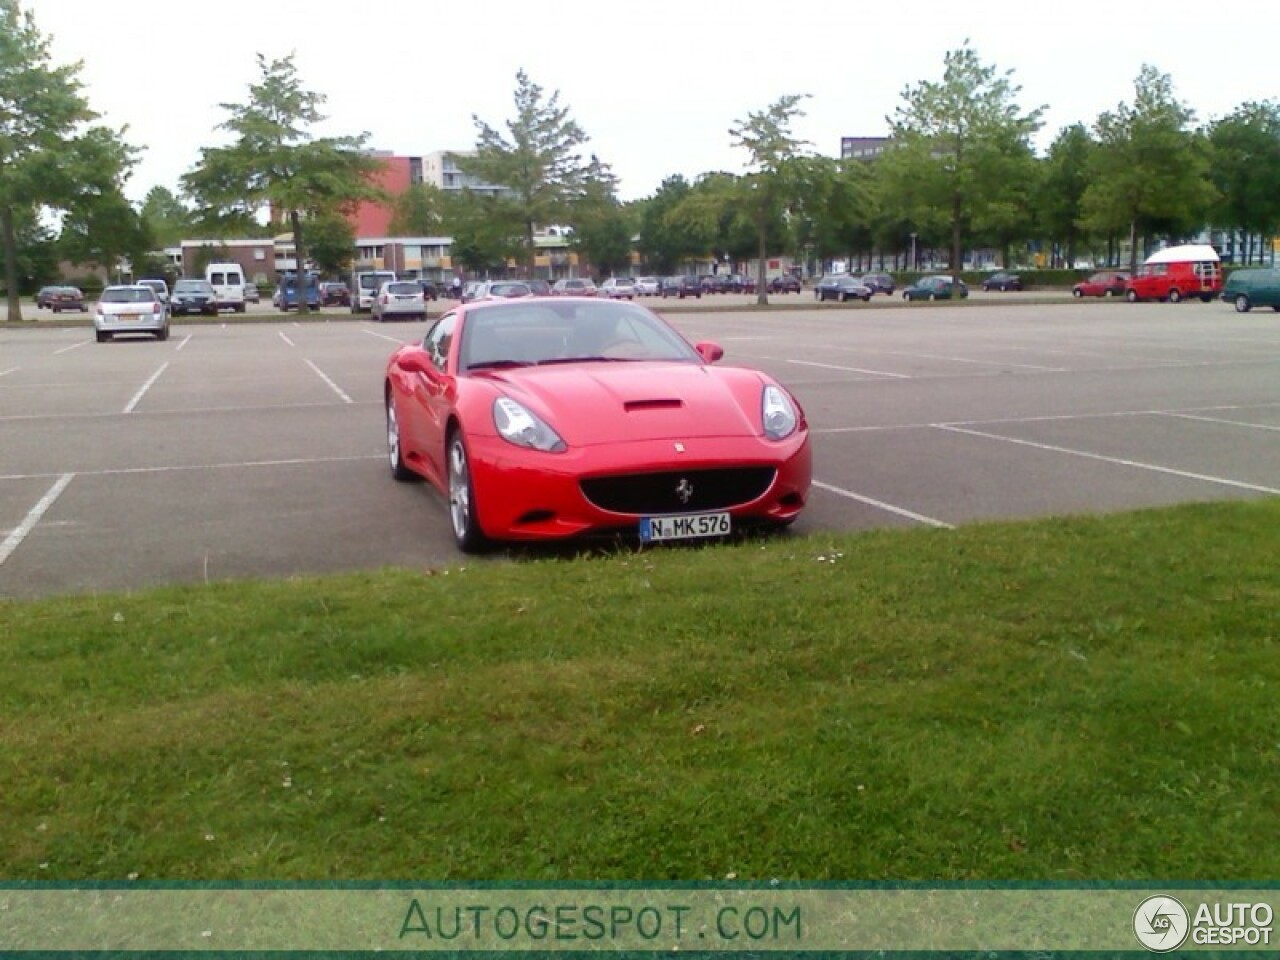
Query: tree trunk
x,y
530,251
1133,246
957,264
10,241
762,289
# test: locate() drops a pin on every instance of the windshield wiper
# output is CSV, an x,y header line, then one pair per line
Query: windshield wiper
x,y
498,364
543,363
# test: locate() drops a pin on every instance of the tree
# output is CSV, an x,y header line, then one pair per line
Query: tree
x,y
538,164
1246,170
1149,172
332,243
420,211
486,232
105,230
167,217
666,238
766,136
275,161
51,154
1066,175
968,144
602,227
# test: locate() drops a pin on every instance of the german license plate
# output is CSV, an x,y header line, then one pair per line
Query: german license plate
x,y
688,527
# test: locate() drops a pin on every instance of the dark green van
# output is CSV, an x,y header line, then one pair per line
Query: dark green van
x,y
1247,289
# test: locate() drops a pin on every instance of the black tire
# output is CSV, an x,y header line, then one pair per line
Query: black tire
x,y
163,333
398,469
462,499
906,296
1242,304
1175,295
103,336
844,297
1206,298
933,297
1131,296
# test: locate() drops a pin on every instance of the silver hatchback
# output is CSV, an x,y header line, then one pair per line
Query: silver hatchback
x,y
132,308
400,300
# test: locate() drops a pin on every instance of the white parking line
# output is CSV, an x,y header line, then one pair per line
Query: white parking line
x,y
285,338
4,373
832,366
325,377
74,346
187,468
1155,468
990,363
880,504
145,387
185,341
19,533
1233,423
382,336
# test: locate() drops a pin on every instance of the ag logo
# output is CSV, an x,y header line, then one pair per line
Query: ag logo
x,y
1161,924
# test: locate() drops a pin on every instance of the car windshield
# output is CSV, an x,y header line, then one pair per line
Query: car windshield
x,y
401,289
532,332
189,286
128,295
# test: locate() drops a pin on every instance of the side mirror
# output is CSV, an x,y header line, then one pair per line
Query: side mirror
x,y
415,361
710,352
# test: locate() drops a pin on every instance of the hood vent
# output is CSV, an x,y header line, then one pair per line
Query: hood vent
x,y
631,406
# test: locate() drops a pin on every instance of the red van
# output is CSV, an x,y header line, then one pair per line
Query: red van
x,y
1175,273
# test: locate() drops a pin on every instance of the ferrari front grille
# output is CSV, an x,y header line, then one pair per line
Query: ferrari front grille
x,y
678,491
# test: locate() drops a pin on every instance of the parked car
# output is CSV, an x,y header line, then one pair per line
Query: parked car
x,y
1108,283
1002,281
400,300
161,287
335,293
130,308
712,283
648,286
551,448
1176,273
618,288
539,288
785,283
286,297
1246,289
365,285
43,295
936,288
252,294
58,299
501,290
193,296
574,287
842,288
879,283
681,287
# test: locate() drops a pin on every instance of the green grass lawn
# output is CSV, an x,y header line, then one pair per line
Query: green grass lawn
x,y
1079,699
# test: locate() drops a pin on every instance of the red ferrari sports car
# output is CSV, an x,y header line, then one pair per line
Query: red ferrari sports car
x,y
548,418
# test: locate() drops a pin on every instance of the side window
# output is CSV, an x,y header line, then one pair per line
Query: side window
x,y
439,339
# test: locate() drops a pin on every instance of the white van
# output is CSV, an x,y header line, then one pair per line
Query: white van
x,y
227,280
365,285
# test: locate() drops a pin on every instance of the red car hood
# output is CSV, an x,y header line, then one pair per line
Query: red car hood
x,y
594,403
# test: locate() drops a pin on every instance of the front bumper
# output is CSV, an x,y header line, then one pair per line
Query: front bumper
x,y
523,494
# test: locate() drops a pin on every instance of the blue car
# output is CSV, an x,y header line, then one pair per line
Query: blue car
x,y
286,297
936,288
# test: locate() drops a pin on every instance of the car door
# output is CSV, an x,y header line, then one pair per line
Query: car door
x,y
432,397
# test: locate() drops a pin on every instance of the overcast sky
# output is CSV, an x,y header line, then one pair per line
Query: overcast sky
x,y
655,86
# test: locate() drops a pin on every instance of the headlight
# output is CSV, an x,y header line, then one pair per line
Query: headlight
x,y
778,413
517,425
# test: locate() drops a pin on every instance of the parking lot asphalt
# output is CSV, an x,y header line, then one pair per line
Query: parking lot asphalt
x,y
241,449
